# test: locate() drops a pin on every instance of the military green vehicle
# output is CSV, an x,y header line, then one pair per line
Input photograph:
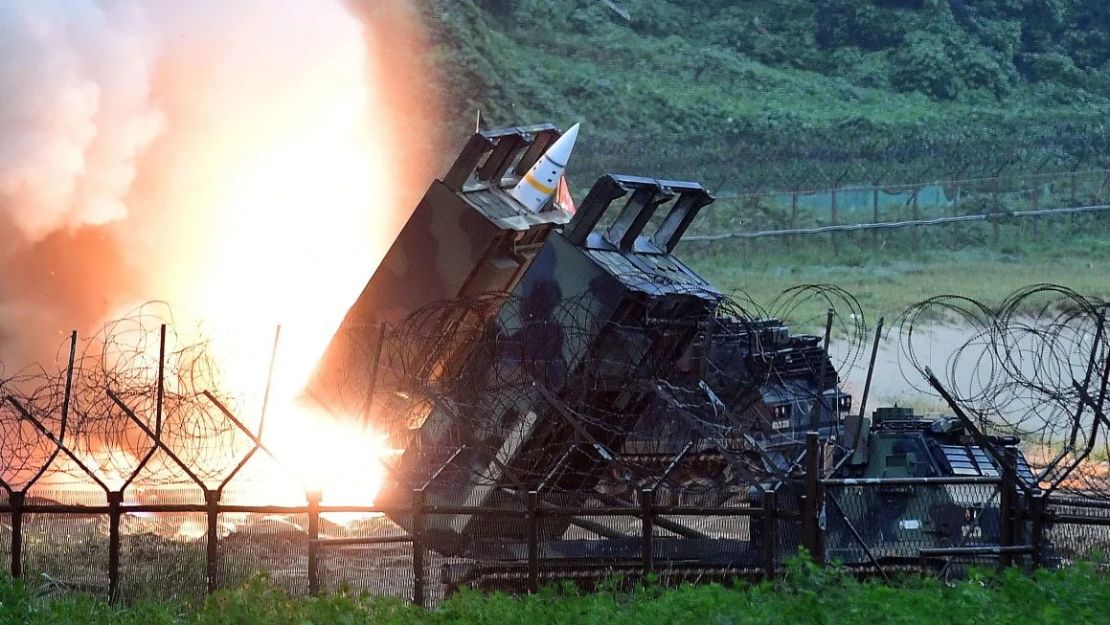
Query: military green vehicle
x,y
892,498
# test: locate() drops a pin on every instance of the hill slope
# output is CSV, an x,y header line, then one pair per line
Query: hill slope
x,y
758,92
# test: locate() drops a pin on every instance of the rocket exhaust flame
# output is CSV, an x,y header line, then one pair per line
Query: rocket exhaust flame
x,y
249,176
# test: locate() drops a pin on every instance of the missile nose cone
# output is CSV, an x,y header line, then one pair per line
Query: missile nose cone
x,y
541,181
561,149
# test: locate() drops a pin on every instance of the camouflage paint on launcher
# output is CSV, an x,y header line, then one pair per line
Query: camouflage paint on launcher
x,y
467,236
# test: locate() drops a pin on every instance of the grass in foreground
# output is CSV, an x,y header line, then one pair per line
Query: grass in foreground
x,y
809,594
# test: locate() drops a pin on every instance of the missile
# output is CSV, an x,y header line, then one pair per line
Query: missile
x,y
541,181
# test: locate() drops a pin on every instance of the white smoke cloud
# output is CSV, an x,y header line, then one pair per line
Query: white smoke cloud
x,y
75,110
226,156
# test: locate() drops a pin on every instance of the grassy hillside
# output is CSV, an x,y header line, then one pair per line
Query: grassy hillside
x,y
744,92
779,94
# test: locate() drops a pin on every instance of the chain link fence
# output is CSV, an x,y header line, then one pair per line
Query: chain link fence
x,y
973,211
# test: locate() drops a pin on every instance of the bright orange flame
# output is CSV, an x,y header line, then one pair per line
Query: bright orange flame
x,y
295,242
343,461
308,201
284,170
297,203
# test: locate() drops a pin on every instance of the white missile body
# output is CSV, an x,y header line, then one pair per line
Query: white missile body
x,y
541,181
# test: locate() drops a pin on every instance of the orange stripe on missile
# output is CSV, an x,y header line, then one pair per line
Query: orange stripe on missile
x,y
537,185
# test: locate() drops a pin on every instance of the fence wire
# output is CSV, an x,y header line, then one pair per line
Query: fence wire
x,y
602,492
879,208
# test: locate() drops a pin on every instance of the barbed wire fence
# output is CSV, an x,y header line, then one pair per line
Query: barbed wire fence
x,y
127,465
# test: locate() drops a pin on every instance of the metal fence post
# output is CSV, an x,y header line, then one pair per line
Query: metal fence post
x,y
1075,218
16,499
875,213
1006,514
916,215
533,541
212,554
115,499
313,497
647,509
770,523
418,546
834,218
819,506
998,208
1036,205
1037,512
809,508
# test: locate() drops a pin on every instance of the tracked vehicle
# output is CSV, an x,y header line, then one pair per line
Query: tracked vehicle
x,y
899,521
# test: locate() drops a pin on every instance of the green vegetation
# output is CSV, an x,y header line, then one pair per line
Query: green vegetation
x,y
895,278
809,594
781,94
888,270
771,93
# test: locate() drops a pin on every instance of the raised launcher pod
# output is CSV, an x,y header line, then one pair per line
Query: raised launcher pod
x,y
598,316
466,236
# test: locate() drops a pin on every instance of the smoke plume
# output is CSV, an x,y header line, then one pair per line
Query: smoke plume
x,y
246,161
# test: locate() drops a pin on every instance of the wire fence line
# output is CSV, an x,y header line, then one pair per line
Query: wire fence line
x,y
997,200
895,225
177,522
827,157
830,520
972,182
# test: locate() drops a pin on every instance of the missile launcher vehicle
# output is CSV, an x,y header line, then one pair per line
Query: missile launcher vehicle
x,y
525,356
